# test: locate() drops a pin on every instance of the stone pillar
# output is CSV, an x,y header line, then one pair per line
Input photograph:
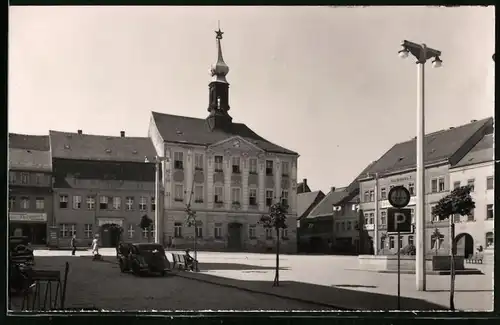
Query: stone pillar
x,y
227,180
210,180
244,182
261,193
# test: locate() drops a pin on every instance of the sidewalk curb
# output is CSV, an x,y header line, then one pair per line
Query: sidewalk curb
x,y
185,275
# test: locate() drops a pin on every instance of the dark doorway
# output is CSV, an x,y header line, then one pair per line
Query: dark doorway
x,y
464,244
234,236
110,235
36,232
316,245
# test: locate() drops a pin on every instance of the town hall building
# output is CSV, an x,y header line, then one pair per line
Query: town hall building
x,y
226,172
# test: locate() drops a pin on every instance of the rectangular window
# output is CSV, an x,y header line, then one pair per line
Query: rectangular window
x,y
179,193
12,202
25,202
252,199
90,203
284,197
400,242
219,194
348,225
391,242
236,165
383,217
410,240
67,230
198,161
24,178
367,196
285,168
456,185
269,167
218,230
434,218
178,229
441,184
253,166
457,217
470,182
383,193
434,185
218,164
269,233
178,160
103,202
490,181
489,212
269,197
252,231
199,229
143,203
129,203
145,233
130,231
40,203
471,217
63,201
12,177
198,193
87,230
372,195
77,202
117,203
235,195
153,203
38,179
411,188
284,233
372,215
342,226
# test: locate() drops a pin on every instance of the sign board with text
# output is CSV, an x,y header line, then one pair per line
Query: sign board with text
x,y
53,240
399,220
27,217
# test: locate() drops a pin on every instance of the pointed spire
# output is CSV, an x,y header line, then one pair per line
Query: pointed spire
x,y
220,69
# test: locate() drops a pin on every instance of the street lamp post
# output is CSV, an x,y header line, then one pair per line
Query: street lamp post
x,y
422,53
158,222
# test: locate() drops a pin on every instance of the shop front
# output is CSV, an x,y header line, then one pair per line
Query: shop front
x,y
31,225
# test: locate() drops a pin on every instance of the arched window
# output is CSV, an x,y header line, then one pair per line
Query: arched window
x,y
490,239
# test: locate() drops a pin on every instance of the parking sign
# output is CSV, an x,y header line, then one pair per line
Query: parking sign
x,y
398,220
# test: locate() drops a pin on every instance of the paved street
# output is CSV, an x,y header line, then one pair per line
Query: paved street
x,y
101,285
473,292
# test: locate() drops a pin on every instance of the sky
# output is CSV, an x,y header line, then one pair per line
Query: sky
x,y
325,82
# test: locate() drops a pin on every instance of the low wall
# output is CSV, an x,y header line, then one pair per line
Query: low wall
x,y
407,263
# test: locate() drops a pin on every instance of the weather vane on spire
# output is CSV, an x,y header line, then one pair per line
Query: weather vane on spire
x,y
218,32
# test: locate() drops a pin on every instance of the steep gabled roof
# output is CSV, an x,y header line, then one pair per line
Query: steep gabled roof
x,y
29,142
29,159
326,205
99,147
439,146
480,153
195,131
307,201
301,189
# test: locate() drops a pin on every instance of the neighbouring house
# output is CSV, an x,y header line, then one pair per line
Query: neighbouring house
x,y
306,201
302,187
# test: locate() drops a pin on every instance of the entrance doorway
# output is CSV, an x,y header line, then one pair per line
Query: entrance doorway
x,y
36,232
234,236
464,244
111,235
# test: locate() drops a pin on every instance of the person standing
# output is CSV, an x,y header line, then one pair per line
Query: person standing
x,y
73,245
172,244
95,245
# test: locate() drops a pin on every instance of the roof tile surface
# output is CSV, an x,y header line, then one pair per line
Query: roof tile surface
x,y
29,142
480,153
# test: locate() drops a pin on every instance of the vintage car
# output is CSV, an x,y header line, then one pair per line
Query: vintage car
x,y
20,251
142,258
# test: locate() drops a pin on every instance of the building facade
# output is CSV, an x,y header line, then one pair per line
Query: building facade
x,y
102,185
226,172
476,169
30,187
444,149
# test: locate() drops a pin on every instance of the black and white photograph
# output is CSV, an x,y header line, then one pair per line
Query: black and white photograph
x,y
254,158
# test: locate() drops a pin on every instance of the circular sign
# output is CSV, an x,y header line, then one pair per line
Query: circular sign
x,y
399,197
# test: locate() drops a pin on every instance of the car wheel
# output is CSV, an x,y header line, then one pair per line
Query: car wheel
x,y
135,270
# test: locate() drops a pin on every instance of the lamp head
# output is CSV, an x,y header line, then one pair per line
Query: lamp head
x,y
146,160
403,53
437,63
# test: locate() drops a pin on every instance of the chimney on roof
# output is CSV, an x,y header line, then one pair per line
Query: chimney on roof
x,y
122,134
472,121
332,188
80,132
304,185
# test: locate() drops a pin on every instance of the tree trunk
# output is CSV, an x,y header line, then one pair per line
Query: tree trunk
x,y
277,275
452,264
195,262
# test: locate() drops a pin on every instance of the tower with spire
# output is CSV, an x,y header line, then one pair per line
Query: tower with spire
x,y
218,105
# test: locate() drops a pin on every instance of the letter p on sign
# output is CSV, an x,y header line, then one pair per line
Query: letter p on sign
x,y
399,220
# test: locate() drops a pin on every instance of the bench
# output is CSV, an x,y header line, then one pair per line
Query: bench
x,y
180,261
475,259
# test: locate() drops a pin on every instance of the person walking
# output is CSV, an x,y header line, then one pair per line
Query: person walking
x,y
95,245
73,245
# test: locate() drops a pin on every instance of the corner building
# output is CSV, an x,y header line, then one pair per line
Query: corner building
x,y
231,174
